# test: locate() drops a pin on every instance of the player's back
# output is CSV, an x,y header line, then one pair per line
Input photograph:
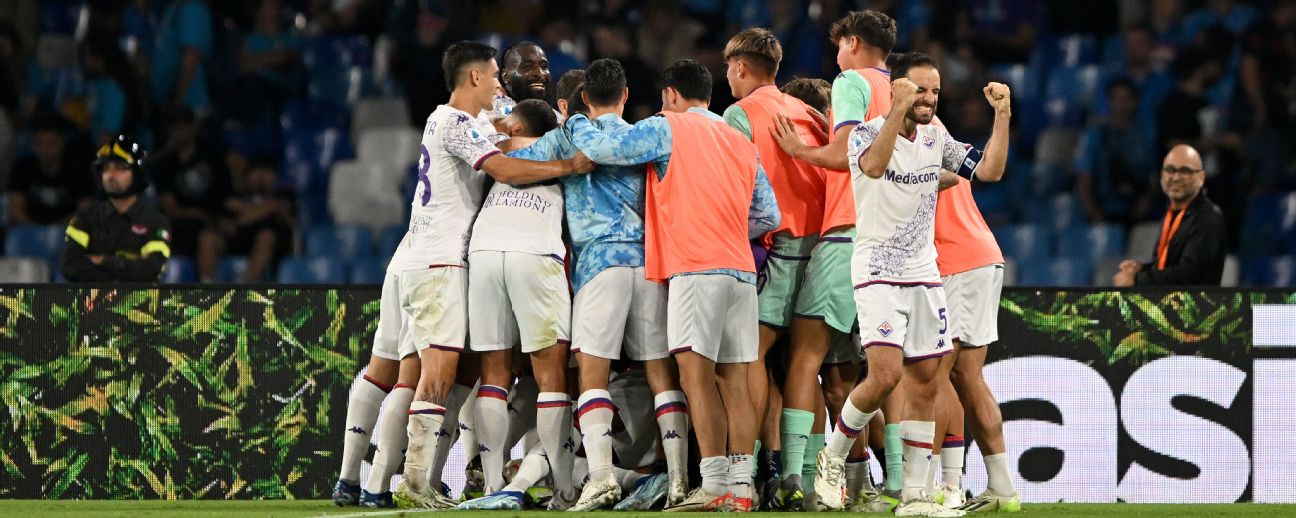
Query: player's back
x,y
607,205
798,186
894,237
448,192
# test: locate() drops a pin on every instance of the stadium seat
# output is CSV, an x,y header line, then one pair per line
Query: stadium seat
x,y
310,115
309,154
1094,242
1010,272
370,270
388,112
356,197
346,241
43,241
1269,272
1061,213
24,270
389,239
230,268
398,148
1024,243
1142,240
312,270
179,269
1104,270
1052,171
1068,93
1232,272
1269,219
1057,272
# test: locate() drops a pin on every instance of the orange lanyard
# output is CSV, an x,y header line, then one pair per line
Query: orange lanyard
x,y
1167,233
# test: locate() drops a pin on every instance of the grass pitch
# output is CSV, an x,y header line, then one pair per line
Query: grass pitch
x,y
309,508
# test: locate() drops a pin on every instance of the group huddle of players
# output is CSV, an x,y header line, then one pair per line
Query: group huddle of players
x,y
721,278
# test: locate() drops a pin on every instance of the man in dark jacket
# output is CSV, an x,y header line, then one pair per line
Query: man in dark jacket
x,y
1190,250
120,238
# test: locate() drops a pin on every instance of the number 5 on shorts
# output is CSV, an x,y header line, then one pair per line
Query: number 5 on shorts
x,y
944,322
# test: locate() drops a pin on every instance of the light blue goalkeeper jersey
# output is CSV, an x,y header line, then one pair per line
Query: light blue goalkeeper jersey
x,y
604,208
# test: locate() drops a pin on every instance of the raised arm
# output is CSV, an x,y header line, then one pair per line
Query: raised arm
x,y
996,150
875,158
646,141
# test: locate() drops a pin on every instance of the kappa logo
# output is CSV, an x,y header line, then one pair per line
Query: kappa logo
x,y
464,427
482,448
441,432
356,429
884,328
672,434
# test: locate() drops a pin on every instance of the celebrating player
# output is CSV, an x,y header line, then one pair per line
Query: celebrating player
x,y
898,293
428,267
706,196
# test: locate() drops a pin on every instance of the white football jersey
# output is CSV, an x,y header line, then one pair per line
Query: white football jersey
x,y
895,214
521,219
448,193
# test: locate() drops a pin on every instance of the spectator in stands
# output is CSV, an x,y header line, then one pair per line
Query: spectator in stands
x,y
416,64
270,63
1001,31
193,184
802,40
121,238
666,35
47,186
1266,104
1190,250
1178,118
117,100
615,40
1115,156
261,221
184,44
1139,63
11,68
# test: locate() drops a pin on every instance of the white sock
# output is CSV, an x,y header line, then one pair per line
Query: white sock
x,y
595,410
715,475
931,474
673,425
917,437
951,456
580,470
849,424
553,424
857,475
534,468
467,423
492,432
362,412
740,476
522,416
392,438
446,435
425,419
997,469
627,479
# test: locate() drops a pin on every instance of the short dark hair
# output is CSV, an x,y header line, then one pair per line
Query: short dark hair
x,y
605,81
811,90
570,87
872,27
460,55
689,78
512,49
902,63
1122,82
537,117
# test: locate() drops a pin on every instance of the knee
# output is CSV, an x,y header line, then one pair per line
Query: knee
x,y
886,378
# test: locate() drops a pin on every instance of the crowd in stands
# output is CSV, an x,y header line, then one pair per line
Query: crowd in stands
x,y
283,133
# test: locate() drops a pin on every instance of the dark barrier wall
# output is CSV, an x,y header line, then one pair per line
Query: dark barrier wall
x,y
229,393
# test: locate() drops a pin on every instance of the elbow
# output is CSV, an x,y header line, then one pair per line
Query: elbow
x,y
873,172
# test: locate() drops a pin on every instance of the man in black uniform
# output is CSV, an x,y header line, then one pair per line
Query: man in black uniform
x,y
121,238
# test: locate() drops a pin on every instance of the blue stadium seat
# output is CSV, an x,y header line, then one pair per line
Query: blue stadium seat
x,y
313,114
1269,218
389,240
1092,243
43,241
313,270
368,270
346,241
1025,243
230,268
310,153
1068,93
1274,271
179,269
1056,272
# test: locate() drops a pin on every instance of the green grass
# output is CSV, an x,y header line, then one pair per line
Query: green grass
x,y
303,508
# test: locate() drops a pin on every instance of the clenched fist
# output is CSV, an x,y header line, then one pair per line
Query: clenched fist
x,y
999,96
903,92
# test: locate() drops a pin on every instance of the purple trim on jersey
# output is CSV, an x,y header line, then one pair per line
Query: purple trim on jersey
x,y
901,284
928,357
882,343
477,165
835,239
556,258
843,123
450,348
